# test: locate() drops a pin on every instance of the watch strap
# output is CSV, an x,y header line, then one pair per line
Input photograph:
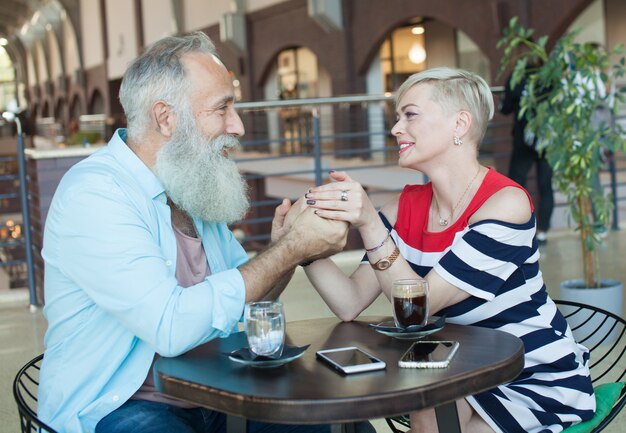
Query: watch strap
x,y
386,262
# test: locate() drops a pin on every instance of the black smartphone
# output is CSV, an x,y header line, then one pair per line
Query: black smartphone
x,y
429,354
348,360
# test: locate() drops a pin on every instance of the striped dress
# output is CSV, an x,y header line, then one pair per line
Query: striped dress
x,y
497,264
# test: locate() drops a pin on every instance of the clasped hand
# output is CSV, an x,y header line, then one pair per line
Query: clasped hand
x,y
322,216
342,200
315,237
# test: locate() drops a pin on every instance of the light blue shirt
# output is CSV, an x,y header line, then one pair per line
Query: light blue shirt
x,y
112,299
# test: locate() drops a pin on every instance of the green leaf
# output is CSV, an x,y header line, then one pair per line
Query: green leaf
x,y
558,109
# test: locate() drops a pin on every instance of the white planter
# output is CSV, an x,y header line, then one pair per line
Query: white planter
x,y
608,297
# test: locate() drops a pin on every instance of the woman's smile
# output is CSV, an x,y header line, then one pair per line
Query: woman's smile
x,y
404,146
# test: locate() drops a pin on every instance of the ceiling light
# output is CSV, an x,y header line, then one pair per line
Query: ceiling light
x,y
417,53
35,17
418,30
4,42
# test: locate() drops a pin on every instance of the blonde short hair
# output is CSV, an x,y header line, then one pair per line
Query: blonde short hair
x,y
456,90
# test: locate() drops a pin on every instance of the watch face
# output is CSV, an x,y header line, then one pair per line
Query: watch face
x,y
383,264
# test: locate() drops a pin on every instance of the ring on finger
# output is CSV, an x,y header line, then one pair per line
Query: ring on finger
x,y
344,195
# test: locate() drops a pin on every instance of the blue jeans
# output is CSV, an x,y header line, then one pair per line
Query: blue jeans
x,y
140,416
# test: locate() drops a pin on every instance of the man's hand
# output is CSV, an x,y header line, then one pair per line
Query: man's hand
x,y
279,228
318,237
309,237
296,209
284,217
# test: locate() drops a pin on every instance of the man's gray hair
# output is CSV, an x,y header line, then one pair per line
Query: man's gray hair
x,y
159,75
456,90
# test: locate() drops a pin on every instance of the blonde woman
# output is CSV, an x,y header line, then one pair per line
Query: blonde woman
x,y
470,232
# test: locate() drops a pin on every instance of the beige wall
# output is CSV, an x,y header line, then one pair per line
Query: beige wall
x,y
591,24
615,22
122,35
32,71
72,61
201,13
269,26
42,67
91,33
158,20
54,56
440,44
253,5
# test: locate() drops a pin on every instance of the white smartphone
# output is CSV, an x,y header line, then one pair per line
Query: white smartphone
x,y
429,354
348,360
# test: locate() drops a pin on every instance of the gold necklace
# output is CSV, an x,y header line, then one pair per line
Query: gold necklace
x,y
443,221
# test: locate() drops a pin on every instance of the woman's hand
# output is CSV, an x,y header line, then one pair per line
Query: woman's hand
x,y
343,200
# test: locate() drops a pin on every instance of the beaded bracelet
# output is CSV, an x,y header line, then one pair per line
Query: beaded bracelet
x,y
379,246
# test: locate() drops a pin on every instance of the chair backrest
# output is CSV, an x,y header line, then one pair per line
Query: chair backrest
x,y
25,388
604,334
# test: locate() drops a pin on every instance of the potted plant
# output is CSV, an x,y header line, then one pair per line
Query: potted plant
x,y
564,90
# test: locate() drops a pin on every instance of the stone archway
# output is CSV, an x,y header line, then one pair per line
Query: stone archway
x,y
96,103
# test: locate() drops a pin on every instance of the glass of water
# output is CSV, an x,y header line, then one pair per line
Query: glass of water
x,y
265,328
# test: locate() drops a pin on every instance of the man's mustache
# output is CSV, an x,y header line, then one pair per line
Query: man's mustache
x,y
225,142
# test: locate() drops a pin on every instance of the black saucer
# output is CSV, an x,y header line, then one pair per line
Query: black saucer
x,y
412,332
244,356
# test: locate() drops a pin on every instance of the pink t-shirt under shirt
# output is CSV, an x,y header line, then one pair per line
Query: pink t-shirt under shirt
x,y
192,268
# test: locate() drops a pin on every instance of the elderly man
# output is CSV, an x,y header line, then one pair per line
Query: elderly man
x,y
139,261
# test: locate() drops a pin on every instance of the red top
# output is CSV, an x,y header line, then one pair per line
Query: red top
x,y
412,222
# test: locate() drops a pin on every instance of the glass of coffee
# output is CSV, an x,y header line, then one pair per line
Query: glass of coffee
x,y
410,302
265,328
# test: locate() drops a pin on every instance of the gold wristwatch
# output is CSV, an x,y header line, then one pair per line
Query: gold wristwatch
x,y
386,262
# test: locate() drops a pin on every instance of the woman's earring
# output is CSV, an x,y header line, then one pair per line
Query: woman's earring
x,y
457,140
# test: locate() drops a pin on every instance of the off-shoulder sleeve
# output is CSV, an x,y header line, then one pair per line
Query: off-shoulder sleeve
x,y
485,255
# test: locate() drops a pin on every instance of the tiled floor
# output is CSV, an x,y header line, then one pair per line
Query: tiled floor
x,y
21,331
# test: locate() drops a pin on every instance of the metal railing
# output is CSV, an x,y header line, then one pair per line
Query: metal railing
x,y
290,145
25,240
11,239
299,141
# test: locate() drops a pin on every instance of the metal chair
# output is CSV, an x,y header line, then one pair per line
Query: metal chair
x,y
604,334
25,388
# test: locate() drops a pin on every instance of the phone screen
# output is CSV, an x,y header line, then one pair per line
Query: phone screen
x,y
424,354
349,357
430,351
350,360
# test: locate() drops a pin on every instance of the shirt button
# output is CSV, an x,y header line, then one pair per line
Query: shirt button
x,y
168,263
116,397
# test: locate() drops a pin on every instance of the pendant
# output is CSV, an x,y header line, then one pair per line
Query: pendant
x,y
443,222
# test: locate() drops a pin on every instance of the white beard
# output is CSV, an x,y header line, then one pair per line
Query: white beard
x,y
198,178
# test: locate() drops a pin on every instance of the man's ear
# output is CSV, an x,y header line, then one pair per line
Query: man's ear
x,y
163,118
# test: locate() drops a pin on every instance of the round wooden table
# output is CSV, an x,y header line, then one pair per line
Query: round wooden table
x,y
307,391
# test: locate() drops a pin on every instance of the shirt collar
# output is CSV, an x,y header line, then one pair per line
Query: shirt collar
x,y
131,162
